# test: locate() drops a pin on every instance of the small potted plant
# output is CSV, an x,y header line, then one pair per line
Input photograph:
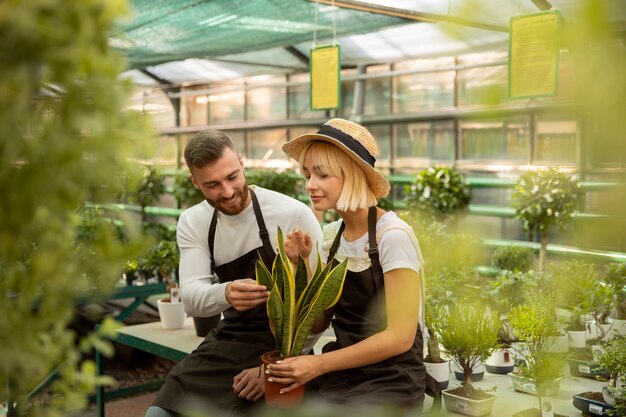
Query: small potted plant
x,y
615,277
163,259
545,200
450,257
540,375
293,305
570,277
469,335
509,289
612,399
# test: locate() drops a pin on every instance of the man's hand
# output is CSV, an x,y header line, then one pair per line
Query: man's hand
x,y
249,384
244,294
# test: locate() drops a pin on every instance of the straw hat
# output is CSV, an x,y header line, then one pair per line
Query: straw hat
x,y
355,140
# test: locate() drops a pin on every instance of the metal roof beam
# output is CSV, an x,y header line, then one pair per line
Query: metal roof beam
x,y
410,14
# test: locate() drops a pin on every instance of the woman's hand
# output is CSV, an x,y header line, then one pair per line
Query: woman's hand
x,y
298,243
294,371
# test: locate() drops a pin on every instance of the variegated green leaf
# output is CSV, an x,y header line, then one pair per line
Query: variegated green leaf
x,y
302,277
326,296
263,276
313,286
275,314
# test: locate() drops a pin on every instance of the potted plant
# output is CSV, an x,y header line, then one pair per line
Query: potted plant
x,y
597,301
570,277
544,200
612,399
535,322
293,305
439,193
510,288
449,277
469,335
163,259
615,277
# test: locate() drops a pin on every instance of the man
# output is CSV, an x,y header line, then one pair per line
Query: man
x,y
225,235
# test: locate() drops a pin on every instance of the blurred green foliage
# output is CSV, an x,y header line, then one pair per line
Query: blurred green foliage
x,y
63,139
287,182
185,192
439,193
513,258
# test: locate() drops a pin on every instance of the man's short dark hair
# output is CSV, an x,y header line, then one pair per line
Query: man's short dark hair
x,y
206,147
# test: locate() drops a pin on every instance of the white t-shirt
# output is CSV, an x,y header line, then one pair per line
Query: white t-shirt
x,y
235,236
395,246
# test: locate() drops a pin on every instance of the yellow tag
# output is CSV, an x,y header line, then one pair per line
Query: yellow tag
x,y
325,78
534,55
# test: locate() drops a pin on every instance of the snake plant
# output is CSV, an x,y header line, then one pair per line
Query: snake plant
x,y
295,301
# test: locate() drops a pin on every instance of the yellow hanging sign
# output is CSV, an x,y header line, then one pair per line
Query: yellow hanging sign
x,y
534,54
325,78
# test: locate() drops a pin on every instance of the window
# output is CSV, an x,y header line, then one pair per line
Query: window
x,y
228,105
426,141
266,103
299,97
420,91
495,140
556,139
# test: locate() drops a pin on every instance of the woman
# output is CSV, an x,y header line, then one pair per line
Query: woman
x,y
377,357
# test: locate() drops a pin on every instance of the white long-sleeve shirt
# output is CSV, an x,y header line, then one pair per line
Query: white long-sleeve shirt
x,y
235,236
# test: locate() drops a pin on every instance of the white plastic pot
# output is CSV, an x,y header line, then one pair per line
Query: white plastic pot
x,y
172,314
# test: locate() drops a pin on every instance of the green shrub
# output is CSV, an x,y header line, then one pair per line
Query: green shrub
x,y
63,136
513,258
185,192
439,193
286,182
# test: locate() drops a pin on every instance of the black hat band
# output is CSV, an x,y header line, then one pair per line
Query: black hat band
x,y
349,142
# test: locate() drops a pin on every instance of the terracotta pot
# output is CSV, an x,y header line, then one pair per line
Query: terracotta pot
x,y
273,397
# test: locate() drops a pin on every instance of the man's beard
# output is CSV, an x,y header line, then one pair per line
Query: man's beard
x,y
239,196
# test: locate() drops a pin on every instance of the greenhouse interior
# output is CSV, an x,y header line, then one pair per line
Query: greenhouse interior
x,y
499,126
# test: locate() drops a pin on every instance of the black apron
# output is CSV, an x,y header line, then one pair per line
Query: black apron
x,y
203,380
399,380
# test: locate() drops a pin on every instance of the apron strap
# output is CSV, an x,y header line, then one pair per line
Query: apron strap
x,y
335,245
263,233
212,239
377,269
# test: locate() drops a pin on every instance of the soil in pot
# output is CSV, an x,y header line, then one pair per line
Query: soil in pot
x,y
470,392
591,403
273,397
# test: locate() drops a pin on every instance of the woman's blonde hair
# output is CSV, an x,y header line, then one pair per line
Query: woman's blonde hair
x,y
330,160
